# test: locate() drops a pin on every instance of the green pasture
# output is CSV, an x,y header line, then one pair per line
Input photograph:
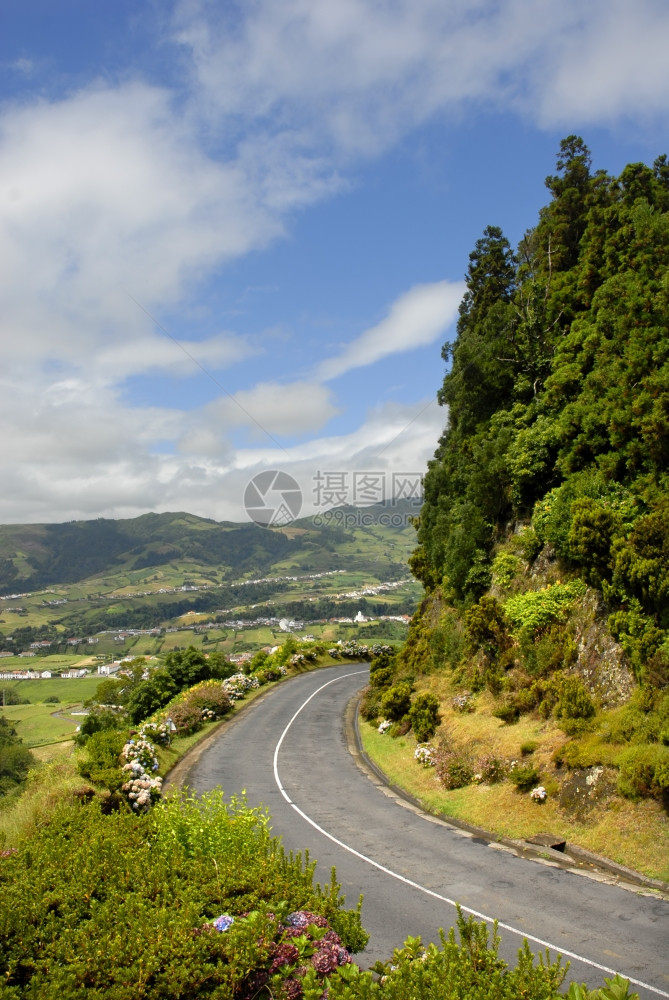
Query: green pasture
x,y
69,691
41,724
55,661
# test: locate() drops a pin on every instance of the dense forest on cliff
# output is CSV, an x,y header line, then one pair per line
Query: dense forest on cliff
x,y
543,542
558,400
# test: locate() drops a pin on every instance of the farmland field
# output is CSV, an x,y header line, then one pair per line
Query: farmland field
x,y
68,691
41,724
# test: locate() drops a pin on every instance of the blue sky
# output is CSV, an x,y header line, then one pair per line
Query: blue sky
x,y
234,234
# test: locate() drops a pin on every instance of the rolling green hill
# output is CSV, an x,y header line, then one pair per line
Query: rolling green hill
x,y
34,556
61,582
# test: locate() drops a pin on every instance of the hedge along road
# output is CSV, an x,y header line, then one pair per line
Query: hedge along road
x,y
289,751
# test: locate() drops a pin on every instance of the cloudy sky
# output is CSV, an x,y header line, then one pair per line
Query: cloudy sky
x,y
233,234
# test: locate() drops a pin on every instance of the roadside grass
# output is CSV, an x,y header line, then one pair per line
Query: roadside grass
x,y
632,834
53,751
22,812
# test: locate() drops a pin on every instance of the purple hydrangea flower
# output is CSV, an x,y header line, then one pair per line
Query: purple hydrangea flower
x,y
223,922
284,954
302,918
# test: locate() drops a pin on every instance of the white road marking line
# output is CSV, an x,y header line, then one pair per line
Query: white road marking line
x,y
416,885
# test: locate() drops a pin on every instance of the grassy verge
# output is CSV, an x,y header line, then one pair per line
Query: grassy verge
x,y
632,834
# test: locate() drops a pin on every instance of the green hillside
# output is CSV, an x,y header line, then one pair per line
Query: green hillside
x,y
543,543
88,579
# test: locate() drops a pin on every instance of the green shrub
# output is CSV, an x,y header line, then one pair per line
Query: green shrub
x,y
186,717
538,609
641,561
100,761
400,728
396,702
529,544
593,527
151,694
453,766
505,568
122,905
524,776
508,712
528,747
544,652
187,667
370,704
383,660
638,721
381,678
655,671
269,674
601,508
424,717
486,628
469,968
490,769
551,517
637,633
644,771
211,695
573,698
526,698
578,753
97,721
15,759
446,641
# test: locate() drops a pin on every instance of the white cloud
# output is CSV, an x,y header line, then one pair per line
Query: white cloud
x,y
70,450
110,192
356,74
615,64
184,358
416,319
147,190
271,408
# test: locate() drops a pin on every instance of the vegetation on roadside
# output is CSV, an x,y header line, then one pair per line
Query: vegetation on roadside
x,y
15,759
196,899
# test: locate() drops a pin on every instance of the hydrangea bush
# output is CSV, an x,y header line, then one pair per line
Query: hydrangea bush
x,y
142,791
140,752
238,686
424,754
155,732
141,788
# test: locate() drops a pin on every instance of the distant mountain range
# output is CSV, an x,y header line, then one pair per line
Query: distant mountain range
x,y
34,556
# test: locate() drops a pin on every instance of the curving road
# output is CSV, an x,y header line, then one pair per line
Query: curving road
x,y
289,750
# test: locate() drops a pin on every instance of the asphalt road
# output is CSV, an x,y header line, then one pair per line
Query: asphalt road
x,y
289,751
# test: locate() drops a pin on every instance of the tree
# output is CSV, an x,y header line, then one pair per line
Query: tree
x,y
187,667
151,695
15,759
